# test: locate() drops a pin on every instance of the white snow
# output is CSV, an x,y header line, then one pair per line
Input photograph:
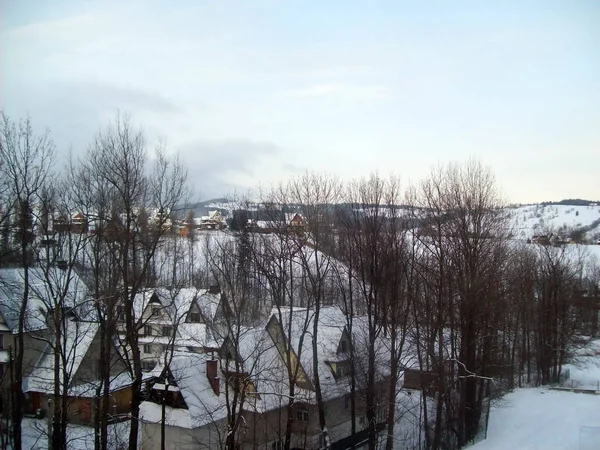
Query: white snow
x,y
79,437
541,419
539,219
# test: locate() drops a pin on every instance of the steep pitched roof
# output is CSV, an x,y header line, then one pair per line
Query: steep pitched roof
x,y
46,288
78,338
204,406
331,328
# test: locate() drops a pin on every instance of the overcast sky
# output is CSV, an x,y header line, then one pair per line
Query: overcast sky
x,y
251,91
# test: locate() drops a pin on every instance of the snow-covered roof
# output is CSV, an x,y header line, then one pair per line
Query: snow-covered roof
x,y
204,406
177,302
331,327
78,337
291,216
47,288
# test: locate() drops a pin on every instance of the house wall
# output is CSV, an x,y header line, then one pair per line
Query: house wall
x,y
208,437
81,409
268,428
34,344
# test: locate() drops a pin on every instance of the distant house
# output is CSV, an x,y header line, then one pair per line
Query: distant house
x,y
296,222
541,239
76,223
187,227
79,223
159,220
213,221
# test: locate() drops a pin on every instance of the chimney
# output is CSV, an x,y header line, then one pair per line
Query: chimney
x,y
211,374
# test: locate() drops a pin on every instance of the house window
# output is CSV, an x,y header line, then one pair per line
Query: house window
x,y
346,402
147,330
1,342
147,348
302,415
167,331
155,309
147,366
341,370
195,317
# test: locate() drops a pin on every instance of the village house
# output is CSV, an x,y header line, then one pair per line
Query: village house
x,y
253,364
279,223
76,223
36,328
55,295
213,221
176,319
80,349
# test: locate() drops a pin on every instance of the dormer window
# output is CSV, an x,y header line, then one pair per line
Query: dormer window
x,y
194,317
341,370
155,309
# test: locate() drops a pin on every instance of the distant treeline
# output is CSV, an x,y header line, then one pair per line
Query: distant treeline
x,y
571,202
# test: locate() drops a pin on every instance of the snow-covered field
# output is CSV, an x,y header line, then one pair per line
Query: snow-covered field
x,y
543,419
538,219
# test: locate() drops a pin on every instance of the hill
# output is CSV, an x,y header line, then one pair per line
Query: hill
x,y
558,218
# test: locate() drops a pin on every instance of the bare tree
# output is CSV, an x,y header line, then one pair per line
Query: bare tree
x,y
64,297
26,163
464,242
119,160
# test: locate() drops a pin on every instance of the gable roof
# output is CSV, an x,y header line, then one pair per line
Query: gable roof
x,y
177,302
78,339
331,328
204,407
45,289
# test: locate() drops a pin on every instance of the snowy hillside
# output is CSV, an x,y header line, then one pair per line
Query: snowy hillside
x,y
538,219
526,221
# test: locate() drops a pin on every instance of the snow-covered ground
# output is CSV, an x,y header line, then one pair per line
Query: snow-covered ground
x,y
79,437
539,418
542,419
539,219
